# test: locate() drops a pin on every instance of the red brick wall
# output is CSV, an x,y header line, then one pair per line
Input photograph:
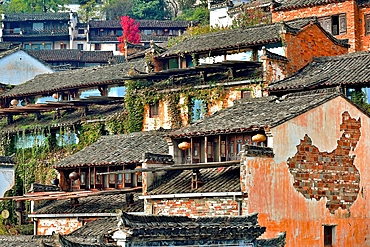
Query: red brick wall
x,y
309,43
301,199
348,7
220,206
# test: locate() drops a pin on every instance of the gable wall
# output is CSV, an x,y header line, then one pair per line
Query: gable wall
x,y
281,195
348,7
309,43
20,67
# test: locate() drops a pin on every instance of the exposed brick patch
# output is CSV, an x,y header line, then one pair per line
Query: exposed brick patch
x,y
331,175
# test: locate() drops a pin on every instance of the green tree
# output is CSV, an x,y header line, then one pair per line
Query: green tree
x,y
114,9
150,9
88,9
33,6
251,15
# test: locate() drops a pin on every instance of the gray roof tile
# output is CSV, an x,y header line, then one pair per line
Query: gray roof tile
x,y
118,149
241,37
296,4
213,180
85,77
251,114
349,69
92,204
37,16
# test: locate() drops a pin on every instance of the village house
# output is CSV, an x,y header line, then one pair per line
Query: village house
x,y
286,39
103,35
64,213
64,59
17,66
39,31
347,72
299,161
348,19
223,12
182,75
129,229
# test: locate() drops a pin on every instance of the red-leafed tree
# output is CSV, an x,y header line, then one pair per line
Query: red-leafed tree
x,y
131,32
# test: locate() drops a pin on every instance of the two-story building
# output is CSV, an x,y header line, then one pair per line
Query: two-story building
x,y
348,19
39,31
102,35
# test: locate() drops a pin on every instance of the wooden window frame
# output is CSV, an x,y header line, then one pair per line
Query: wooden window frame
x,y
154,109
246,94
326,23
367,24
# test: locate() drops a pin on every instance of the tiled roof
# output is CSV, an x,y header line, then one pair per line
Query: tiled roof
x,y
24,241
7,160
94,230
69,55
92,204
349,69
213,180
85,77
96,56
5,45
68,118
241,37
252,114
154,227
297,4
278,241
118,149
143,24
37,17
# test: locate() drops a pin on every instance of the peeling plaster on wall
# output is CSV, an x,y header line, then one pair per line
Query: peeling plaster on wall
x,y
329,175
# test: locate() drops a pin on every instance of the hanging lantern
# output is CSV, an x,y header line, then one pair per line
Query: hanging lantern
x,y
73,176
14,102
138,167
259,138
55,95
184,145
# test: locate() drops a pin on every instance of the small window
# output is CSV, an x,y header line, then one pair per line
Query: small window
x,y
38,26
97,47
63,46
81,31
80,47
154,109
199,110
329,235
336,24
246,94
367,24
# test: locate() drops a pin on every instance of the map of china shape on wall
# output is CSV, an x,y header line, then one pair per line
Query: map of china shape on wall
x,y
331,175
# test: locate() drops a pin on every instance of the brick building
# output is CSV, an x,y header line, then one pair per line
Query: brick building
x,y
303,168
344,19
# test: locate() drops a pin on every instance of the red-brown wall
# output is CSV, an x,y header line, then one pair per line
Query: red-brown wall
x,y
330,186
349,7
